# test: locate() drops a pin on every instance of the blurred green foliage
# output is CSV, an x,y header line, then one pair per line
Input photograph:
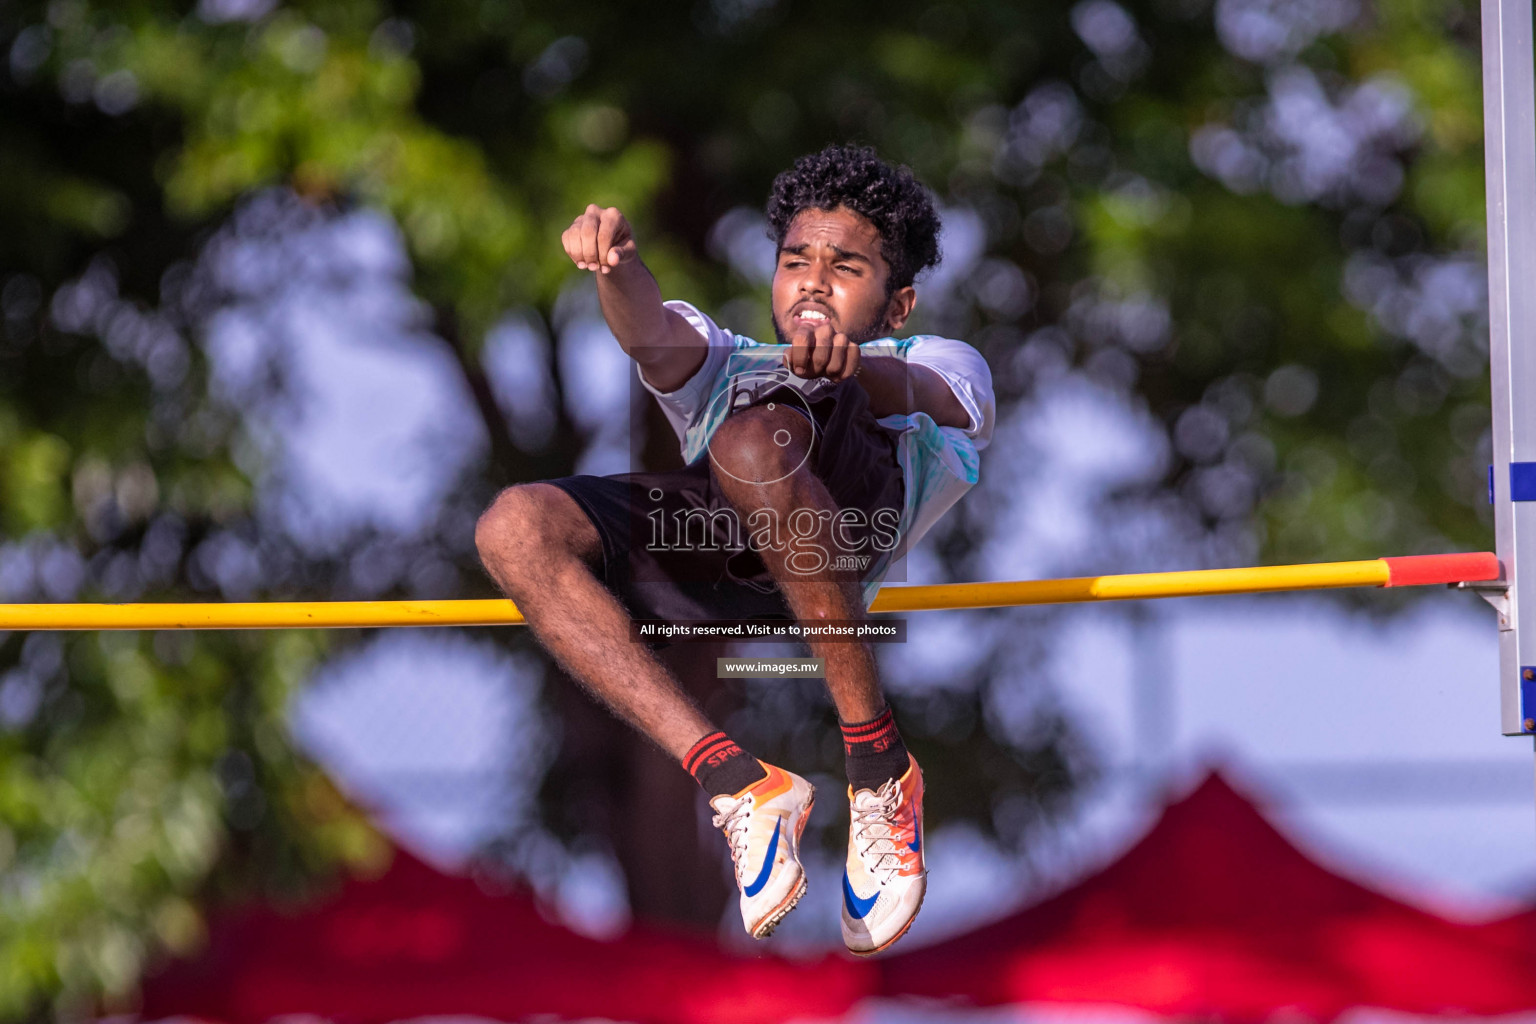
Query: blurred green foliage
x,y
1267,244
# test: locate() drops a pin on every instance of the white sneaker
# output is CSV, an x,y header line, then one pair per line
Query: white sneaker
x,y
763,823
885,879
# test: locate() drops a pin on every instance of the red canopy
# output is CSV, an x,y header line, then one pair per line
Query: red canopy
x,y
1215,914
1516,933
416,942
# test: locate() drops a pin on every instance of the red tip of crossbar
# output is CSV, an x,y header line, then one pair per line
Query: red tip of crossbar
x,y
1418,570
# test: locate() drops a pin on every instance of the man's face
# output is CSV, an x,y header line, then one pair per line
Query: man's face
x,y
830,271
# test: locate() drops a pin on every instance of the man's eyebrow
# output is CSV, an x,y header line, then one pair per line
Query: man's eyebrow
x,y
842,254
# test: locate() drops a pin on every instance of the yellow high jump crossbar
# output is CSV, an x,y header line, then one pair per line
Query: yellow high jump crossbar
x,y
1410,570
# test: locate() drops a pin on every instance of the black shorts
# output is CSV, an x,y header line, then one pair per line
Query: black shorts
x,y
637,515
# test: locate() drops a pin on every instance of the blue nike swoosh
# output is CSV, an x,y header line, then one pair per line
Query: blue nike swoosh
x,y
762,876
916,845
856,907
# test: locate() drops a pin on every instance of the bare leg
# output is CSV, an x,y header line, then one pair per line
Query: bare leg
x,y
537,544
763,444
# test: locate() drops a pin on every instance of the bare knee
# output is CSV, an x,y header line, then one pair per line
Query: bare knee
x,y
528,528
760,445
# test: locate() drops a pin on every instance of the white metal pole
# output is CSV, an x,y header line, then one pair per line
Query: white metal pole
x,y
1509,110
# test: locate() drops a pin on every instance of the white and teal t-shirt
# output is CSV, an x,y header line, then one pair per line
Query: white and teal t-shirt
x,y
938,464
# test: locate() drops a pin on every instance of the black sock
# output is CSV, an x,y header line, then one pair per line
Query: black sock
x,y
721,767
874,751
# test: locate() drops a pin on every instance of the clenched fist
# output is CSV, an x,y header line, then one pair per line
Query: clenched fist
x,y
599,240
821,352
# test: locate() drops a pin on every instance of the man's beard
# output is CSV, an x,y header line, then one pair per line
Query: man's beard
x,y
876,328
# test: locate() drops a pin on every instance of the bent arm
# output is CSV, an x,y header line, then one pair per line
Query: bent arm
x,y
665,345
897,387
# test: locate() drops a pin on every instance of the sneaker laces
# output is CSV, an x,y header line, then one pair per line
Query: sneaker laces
x,y
874,833
735,819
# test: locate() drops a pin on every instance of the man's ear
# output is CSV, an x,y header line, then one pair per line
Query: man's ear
x,y
899,309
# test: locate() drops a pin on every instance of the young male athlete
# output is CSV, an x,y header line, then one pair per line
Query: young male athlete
x,y
811,465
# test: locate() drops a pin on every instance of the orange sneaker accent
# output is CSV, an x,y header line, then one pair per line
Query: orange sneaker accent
x,y
777,781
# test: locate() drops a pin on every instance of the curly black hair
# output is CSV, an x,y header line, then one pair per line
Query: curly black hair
x,y
854,177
